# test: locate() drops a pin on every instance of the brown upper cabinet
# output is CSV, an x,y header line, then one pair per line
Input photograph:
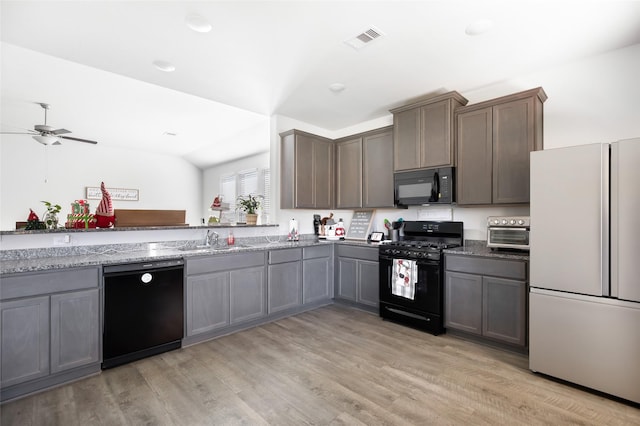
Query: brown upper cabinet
x,y
423,132
494,139
352,172
306,171
364,170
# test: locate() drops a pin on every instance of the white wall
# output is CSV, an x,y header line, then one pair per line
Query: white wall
x,y
31,172
591,100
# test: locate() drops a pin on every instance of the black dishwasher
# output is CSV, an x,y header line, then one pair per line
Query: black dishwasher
x,y
143,310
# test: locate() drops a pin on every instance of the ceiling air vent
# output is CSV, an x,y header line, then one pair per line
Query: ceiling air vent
x,y
364,38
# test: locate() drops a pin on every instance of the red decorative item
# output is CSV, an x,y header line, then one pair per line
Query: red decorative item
x,y
104,212
32,216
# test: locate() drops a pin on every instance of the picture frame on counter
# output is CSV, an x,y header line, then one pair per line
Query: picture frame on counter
x,y
117,194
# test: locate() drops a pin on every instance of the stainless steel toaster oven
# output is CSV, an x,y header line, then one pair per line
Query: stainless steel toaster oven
x,y
508,232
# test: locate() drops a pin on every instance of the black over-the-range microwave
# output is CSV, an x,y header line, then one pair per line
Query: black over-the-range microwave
x,y
427,186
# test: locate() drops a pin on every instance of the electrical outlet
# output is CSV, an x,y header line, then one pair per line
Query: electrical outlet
x,y
62,240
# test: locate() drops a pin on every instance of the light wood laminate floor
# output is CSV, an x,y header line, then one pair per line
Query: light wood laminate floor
x,y
331,366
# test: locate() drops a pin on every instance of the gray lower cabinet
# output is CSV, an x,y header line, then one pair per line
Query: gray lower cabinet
x,y
285,279
224,290
317,274
463,302
75,329
49,325
368,288
504,309
247,294
357,275
227,292
207,302
346,285
487,297
25,339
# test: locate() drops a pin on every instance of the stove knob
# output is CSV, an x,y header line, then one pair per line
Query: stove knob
x,y
505,221
496,222
521,222
513,221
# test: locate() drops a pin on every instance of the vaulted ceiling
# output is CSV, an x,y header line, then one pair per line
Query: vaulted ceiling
x,y
263,58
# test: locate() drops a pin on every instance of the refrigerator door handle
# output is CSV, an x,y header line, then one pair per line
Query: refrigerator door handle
x,y
615,223
605,215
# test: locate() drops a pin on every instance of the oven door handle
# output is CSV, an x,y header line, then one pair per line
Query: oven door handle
x,y
419,262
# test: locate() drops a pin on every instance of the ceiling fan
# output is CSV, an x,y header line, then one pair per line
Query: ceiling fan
x,y
47,135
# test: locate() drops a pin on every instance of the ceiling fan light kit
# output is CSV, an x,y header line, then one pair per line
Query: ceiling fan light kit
x,y
47,140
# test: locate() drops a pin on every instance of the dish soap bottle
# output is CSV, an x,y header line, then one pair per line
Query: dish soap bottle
x,y
340,231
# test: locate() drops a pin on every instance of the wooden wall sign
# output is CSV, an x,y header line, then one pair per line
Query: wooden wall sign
x,y
117,194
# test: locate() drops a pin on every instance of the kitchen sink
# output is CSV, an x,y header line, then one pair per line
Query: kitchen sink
x,y
212,249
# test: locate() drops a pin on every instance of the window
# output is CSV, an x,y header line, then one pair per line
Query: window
x,y
252,181
228,190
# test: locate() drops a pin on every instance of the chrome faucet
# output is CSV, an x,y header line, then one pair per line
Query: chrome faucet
x,y
211,236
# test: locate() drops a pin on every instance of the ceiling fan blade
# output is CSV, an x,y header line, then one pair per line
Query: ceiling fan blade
x,y
60,131
18,133
78,139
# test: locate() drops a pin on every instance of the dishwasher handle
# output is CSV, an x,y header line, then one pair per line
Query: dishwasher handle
x,y
143,266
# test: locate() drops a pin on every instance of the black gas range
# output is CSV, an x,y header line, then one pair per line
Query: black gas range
x,y
412,273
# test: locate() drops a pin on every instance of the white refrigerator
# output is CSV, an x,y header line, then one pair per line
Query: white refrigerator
x,y
584,304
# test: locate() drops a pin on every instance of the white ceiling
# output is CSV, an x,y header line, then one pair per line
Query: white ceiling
x,y
273,57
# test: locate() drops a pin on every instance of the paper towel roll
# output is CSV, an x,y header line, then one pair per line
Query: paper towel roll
x,y
293,230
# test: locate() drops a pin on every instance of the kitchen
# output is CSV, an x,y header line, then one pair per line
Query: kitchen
x,y
582,107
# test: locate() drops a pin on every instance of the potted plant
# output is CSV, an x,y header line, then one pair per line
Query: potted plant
x,y
250,205
51,216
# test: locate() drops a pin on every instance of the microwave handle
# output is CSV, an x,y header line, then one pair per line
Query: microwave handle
x,y
435,188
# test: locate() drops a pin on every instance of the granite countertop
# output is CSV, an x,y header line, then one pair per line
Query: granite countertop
x,y
479,248
131,228
34,260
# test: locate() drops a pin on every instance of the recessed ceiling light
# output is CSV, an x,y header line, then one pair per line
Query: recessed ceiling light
x,y
170,134
337,87
478,27
164,66
197,23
